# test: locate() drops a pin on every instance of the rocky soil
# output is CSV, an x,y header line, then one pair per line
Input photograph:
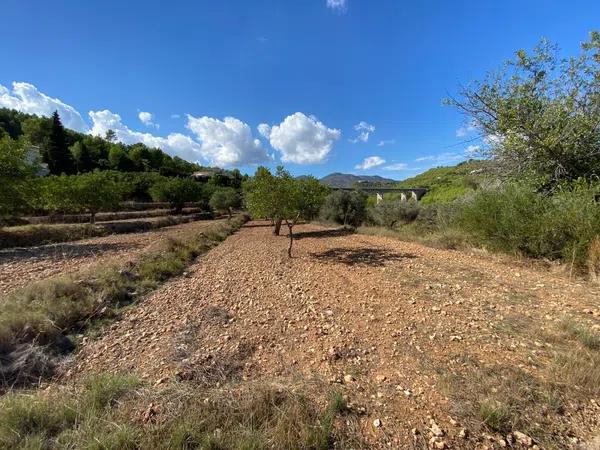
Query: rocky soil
x,y
378,318
20,266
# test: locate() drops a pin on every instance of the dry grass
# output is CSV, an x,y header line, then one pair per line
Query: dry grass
x,y
119,412
36,322
451,239
593,261
541,404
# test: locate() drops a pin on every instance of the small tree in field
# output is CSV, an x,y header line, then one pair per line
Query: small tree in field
x,y
176,192
285,198
261,197
225,199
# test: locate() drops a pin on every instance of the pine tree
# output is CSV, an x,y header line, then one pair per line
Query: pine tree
x,y
84,162
57,152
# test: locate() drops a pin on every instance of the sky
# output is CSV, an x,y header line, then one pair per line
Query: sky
x,y
320,86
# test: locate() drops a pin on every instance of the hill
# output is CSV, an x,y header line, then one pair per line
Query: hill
x,y
346,180
446,184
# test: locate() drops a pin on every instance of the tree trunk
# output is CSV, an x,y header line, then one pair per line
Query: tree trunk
x,y
229,211
277,228
93,218
291,235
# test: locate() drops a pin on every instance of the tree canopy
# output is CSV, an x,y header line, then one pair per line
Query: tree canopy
x,y
539,114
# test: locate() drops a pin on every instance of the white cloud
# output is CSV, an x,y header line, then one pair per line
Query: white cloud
x,y
386,142
364,130
467,129
370,162
443,158
147,119
227,142
472,151
301,139
175,144
337,5
27,98
397,166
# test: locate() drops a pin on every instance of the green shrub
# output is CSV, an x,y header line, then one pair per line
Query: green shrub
x,y
389,213
345,208
518,219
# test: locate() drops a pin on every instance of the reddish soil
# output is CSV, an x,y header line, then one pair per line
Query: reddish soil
x,y
377,317
20,266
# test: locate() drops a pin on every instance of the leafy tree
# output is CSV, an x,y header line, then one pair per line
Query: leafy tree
x,y
176,191
84,162
261,197
110,136
284,198
57,154
18,163
90,192
540,114
225,199
345,208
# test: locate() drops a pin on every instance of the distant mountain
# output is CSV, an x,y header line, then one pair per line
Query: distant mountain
x,y
346,180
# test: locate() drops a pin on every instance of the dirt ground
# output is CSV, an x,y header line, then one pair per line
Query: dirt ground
x,y
379,318
20,266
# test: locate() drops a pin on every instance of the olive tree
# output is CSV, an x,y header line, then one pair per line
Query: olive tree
x,y
261,197
176,191
225,199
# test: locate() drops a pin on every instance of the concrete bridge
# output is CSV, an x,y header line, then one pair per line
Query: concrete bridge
x,y
405,193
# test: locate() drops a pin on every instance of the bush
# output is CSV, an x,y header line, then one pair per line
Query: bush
x,y
389,213
518,219
345,208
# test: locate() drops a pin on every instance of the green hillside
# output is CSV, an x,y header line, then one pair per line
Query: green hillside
x,y
446,184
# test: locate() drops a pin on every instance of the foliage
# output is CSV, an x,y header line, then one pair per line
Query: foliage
x,y
90,192
59,148
284,198
56,151
518,219
18,162
345,208
224,200
389,213
540,114
177,192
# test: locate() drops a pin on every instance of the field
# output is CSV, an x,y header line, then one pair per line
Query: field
x,y
428,347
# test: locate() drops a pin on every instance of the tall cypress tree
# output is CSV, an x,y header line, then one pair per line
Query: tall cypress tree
x,y
58,156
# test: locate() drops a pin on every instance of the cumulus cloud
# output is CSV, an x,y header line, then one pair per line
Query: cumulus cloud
x,y
370,162
27,98
227,142
147,119
337,5
175,144
397,166
365,129
301,139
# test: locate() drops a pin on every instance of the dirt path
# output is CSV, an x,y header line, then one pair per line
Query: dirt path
x,y
380,318
20,266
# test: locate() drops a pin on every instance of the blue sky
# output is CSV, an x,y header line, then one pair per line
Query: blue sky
x,y
320,85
